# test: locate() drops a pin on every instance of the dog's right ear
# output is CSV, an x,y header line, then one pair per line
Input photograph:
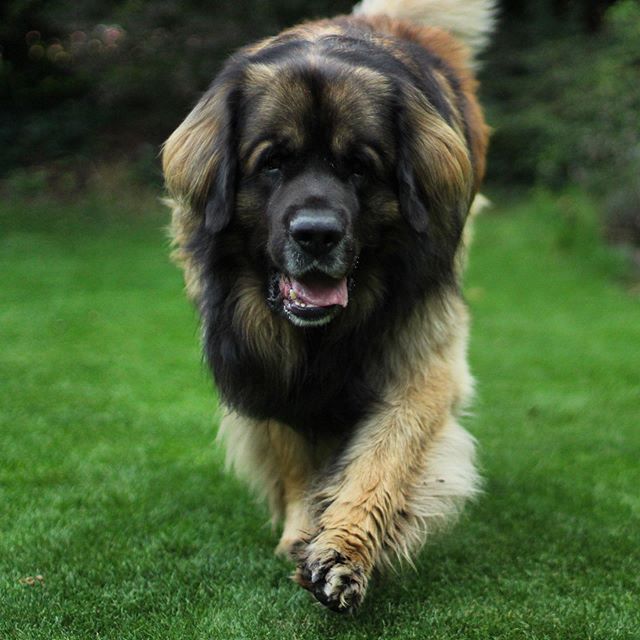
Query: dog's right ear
x,y
199,158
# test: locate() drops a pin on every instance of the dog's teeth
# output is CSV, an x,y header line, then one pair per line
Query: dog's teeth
x,y
292,294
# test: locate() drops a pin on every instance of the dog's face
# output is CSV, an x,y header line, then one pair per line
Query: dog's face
x,y
314,159
316,153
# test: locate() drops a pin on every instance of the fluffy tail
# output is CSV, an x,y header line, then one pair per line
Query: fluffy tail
x,y
471,21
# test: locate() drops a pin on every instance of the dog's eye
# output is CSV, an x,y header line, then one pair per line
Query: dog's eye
x,y
273,164
358,170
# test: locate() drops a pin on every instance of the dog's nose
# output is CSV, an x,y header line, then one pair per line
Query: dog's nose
x,y
317,231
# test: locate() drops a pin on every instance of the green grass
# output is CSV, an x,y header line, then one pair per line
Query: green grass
x,y
112,490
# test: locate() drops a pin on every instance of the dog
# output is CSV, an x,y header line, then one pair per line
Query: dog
x,y
321,191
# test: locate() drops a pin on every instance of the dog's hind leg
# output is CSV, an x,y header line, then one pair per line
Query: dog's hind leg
x,y
298,523
277,463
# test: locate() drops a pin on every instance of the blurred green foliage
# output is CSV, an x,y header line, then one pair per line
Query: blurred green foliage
x,y
110,79
565,107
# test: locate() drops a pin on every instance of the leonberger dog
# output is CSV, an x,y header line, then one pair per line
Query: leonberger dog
x,y
320,190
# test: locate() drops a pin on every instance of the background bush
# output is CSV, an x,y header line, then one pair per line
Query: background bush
x,y
103,78
565,105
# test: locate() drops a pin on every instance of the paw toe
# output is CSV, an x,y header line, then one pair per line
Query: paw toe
x,y
334,581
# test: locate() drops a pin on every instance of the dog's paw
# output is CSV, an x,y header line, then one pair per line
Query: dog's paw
x,y
333,579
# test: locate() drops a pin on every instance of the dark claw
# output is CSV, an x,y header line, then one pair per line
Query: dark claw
x,y
312,577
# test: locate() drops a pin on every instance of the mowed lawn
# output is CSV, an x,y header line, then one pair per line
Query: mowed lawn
x,y
117,520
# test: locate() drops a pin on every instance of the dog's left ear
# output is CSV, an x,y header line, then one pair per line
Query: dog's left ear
x,y
221,198
434,172
412,202
199,158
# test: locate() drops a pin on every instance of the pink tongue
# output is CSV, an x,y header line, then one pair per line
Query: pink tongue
x,y
321,294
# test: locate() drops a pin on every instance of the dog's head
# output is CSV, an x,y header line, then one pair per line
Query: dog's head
x,y
314,152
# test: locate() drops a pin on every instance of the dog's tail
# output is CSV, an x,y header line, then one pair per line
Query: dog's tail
x,y
471,21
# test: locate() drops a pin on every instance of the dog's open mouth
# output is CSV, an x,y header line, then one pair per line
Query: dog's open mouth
x,y
313,300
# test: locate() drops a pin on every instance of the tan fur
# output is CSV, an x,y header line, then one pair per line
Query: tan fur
x,y
285,100
479,204
457,58
279,464
184,222
450,180
271,457
188,159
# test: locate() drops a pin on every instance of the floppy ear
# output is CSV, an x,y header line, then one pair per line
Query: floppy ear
x,y
412,203
434,172
221,198
199,158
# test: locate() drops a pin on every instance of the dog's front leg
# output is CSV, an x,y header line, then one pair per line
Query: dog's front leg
x,y
406,469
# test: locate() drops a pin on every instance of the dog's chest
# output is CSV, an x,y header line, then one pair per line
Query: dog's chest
x,y
328,394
